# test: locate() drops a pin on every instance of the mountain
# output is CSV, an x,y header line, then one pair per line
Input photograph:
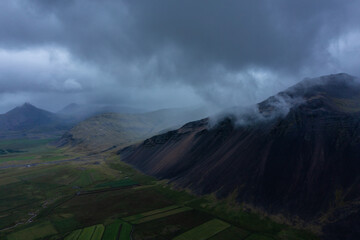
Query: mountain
x,y
295,154
27,120
106,130
80,112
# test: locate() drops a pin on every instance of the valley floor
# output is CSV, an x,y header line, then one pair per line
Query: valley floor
x,y
50,193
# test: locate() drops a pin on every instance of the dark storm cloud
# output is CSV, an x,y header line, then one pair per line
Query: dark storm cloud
x,y
230,52
277,34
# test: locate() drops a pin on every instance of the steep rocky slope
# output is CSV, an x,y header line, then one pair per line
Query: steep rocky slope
x,y
297,155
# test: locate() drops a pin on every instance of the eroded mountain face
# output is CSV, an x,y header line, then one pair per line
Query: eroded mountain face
x,y
304,162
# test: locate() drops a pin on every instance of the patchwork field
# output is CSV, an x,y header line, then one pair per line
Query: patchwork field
x,y
204,231
22,151
38,231
98,197
156,214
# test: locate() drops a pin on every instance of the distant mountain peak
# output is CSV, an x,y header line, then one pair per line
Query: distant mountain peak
x,y
27,105
71,105
26,117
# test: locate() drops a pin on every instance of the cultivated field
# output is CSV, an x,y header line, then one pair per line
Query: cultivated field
x,y
204,231
97,197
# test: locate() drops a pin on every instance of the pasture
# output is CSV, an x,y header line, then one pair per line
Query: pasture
x,y
204,231
98,197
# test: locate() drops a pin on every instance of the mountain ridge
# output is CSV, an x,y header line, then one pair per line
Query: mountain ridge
x,y
29,121
300,164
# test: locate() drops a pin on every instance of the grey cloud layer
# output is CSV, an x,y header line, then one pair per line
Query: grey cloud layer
x,y
230,52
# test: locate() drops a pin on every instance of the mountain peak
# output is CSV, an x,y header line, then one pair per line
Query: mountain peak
x,y
333,84
27,108
27,105
71,105
26,117
336,92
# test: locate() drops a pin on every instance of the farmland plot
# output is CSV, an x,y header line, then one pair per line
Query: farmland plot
x,y
204,231
98,233
112,231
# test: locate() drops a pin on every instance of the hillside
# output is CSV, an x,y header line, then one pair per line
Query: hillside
x,y
80,112
113,129
297,155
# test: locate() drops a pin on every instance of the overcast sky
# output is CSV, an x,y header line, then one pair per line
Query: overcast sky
x,y
170,53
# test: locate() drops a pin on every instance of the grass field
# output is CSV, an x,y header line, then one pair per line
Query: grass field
x,y
25,150
61,201
149,213
84,179
112,230
98,232
87,233
117,204
74,235
231,233
125,233
119,183
38,231
204,231
24,144
161,215
8,180
170,226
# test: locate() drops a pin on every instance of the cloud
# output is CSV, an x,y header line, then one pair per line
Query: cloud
x,y
228,53
72,85
41,69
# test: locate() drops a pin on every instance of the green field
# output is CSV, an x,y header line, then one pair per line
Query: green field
x,y
230,234
74,235
98,232
25,150
8,180
38,231
119,183
170,226
84,179
204,231
87,233
161,215
24,144
149,213
101,198
125,233
112,231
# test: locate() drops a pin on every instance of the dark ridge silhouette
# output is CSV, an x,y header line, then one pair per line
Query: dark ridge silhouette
x,y
30,121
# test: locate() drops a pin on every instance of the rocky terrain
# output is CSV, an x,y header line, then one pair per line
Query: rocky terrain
x,y
296,155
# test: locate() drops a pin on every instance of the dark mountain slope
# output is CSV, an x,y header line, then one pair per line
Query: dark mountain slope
x,y
299,156
30,121
25,117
